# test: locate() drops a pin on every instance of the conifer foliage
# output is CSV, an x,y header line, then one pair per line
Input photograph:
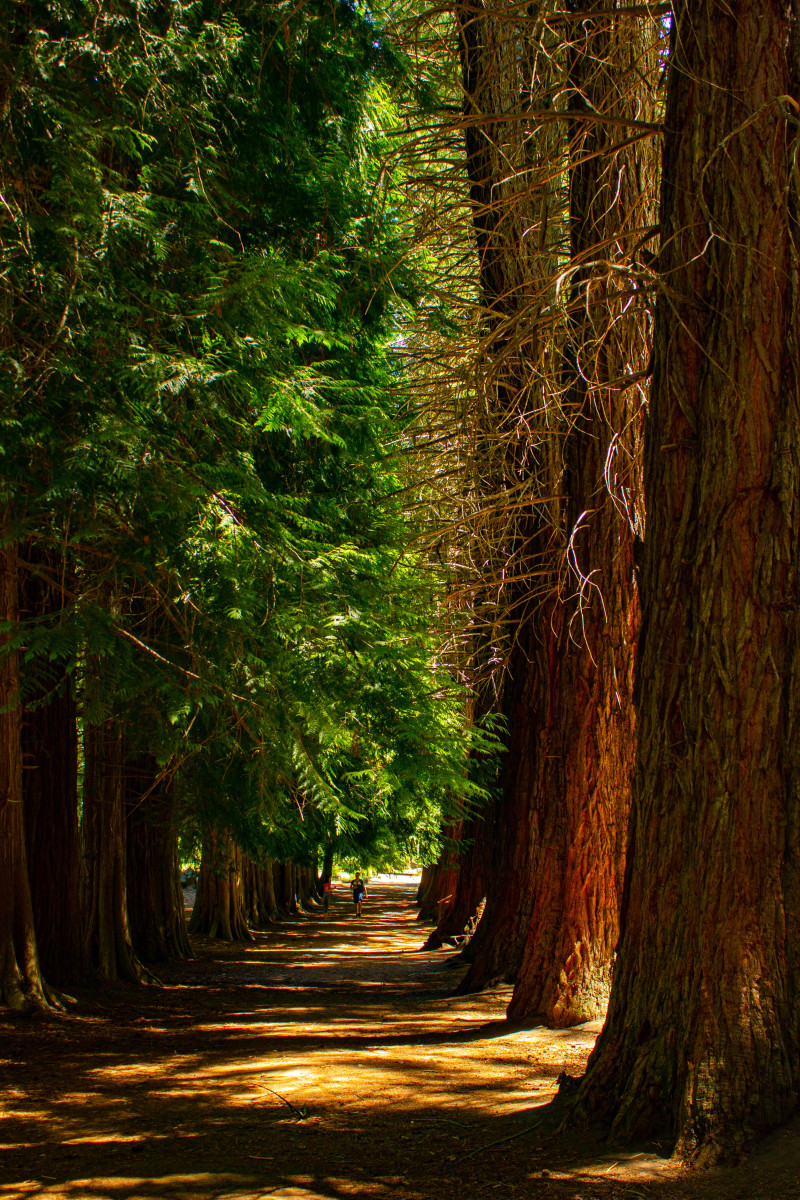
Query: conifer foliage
x,y
205,581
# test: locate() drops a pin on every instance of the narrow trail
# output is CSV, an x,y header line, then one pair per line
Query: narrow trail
x,y
327,1059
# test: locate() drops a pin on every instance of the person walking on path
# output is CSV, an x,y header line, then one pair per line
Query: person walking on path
x,y
327,889
359,892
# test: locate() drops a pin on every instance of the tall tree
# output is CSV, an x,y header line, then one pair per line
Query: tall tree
x,y
584,774
701,1037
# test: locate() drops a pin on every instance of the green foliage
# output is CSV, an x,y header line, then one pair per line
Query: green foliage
x,y
205,267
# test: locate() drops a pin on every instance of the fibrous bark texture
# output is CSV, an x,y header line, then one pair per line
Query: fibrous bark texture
x,y
584,770
570,605
21,983
109,947
507,75
219,910
155,895
50,795
702,1035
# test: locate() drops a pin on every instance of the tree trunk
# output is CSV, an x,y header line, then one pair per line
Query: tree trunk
x,y
286,887
327,864
305,890
21,982
583,781
155,895
108,942
497,947
457,917
219,910
259,893
439,886
703,1027
510,74
50,799
424,891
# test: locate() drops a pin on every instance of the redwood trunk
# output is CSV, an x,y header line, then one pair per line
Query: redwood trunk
x,y
439,893
50,801
425,891
508,76
458,918
21,983
108,942
584,775
704,1022
463,882
155,895
219,910
497,947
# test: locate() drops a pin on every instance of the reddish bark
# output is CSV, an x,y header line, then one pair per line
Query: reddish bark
x,y
497,947
306,897
704,1021
584,772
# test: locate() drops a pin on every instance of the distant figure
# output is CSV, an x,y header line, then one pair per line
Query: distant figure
x,y
327,888
359,892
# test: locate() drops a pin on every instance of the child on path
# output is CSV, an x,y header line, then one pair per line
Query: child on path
x,y
327,888
359,892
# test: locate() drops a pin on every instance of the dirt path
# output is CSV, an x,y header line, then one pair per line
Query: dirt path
x,y
326,1060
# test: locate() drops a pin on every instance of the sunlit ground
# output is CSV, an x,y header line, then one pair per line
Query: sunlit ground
x,y
325,1060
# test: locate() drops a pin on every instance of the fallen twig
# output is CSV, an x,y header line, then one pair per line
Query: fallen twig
x,y
499,1141
301,1113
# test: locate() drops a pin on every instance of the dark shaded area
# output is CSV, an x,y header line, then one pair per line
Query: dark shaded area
x,y
183,1090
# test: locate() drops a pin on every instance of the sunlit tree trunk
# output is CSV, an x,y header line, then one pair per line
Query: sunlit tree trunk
x,y
701,1040
582,783
428,892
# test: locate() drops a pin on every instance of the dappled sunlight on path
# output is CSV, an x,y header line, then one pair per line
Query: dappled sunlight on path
x,y
327,1059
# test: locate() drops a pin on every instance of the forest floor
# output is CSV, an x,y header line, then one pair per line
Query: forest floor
x,y
327,1060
